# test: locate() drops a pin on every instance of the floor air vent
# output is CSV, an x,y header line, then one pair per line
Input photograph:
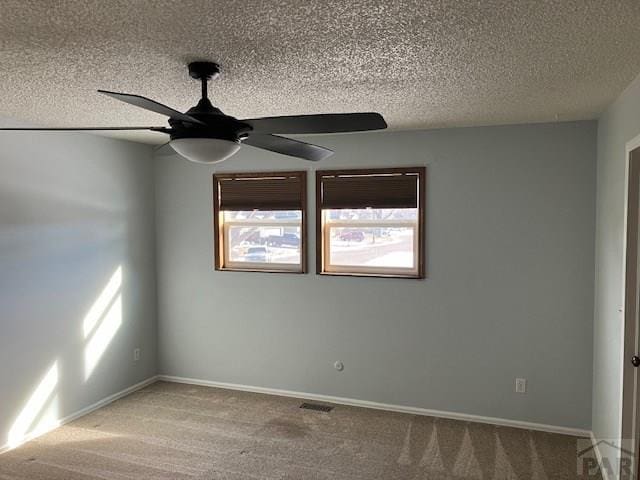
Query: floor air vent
x,y
316,406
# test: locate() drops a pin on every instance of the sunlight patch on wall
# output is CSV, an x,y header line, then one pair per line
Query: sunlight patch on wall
x,y
102,322
101,338
41,412
99,307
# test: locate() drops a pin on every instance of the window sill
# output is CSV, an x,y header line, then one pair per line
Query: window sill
x,y
257,270
408,276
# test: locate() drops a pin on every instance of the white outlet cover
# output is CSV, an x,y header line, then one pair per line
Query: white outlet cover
x,y
521,385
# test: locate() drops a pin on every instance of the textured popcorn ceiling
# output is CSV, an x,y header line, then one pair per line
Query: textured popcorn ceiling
x,y
421,63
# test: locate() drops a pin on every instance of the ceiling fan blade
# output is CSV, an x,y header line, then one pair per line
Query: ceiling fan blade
x,y
288,146
321,123
152,105
79,129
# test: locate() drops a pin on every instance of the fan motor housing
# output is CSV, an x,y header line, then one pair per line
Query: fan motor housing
x,y
218,126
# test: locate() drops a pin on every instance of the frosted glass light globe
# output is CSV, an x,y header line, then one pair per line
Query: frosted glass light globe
x,y
204,150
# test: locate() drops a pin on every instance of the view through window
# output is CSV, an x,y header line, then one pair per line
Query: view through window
x,y
372,237
263,237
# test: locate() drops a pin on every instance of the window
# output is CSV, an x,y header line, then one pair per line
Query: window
x,y
259,221
371,222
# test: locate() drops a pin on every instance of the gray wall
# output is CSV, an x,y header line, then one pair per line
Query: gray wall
x,y
509,293
617,126
73,207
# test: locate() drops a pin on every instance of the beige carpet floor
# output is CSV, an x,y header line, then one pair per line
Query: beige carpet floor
x,y
174,431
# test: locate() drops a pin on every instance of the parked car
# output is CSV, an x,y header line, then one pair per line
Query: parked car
x,y
255,239
352,236
284,240
256,254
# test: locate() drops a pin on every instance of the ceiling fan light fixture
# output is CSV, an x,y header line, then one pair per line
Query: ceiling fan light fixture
x,y
204,150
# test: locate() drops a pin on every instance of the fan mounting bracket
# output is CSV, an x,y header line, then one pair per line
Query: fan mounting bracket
x,y
204,70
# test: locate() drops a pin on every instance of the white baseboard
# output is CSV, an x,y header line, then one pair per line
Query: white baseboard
x,y
383,406
85,411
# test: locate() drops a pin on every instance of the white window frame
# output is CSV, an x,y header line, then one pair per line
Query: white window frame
x,y
327,267
226,225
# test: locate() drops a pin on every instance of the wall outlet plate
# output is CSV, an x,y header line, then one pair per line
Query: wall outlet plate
x,y
521,385
136,354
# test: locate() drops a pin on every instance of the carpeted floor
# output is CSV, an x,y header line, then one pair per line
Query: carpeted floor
x,y
174,431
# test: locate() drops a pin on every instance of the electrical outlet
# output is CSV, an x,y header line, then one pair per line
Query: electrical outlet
x,y
136,354
521,385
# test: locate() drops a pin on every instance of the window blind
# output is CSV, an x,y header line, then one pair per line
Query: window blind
x,y
261,191
376,188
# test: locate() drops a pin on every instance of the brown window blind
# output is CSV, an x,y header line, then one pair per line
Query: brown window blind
x,y
376,188
261,191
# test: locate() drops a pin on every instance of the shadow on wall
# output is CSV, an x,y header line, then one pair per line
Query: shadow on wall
x,y
41,412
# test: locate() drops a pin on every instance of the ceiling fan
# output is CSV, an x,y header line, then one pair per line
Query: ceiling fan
x,y
204,134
